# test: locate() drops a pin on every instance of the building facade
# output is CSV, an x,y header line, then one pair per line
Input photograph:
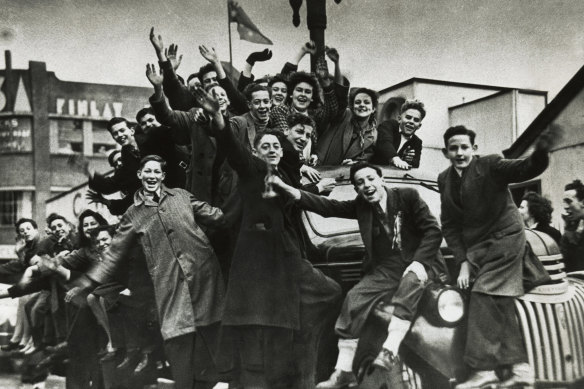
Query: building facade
x,y
43,121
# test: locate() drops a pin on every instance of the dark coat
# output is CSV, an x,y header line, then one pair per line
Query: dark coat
x,y
185,273
124,179
11,272
420,233
488,230
389,145
572,246
263,287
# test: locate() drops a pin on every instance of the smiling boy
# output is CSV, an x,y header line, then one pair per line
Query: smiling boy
x,y
482,226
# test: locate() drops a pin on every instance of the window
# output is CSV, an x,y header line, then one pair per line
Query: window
x,y
103,142
66,136
11,206
15,135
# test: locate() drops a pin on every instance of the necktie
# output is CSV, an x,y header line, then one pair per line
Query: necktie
x,y
155,198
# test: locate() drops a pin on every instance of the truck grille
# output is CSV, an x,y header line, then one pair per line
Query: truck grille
x,y
553,335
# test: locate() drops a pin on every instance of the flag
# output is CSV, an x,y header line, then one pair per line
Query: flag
x,y
247,30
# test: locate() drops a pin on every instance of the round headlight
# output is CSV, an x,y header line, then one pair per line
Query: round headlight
x,y
450,306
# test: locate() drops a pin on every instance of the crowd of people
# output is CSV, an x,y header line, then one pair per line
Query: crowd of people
x,y
207,270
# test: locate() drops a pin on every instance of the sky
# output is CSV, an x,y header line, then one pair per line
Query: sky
x,y
532,44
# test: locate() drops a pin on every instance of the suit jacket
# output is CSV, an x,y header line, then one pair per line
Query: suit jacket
x,y
488,230
420,233
389,145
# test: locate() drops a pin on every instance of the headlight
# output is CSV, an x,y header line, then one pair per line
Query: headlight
x,y
450,306
443,305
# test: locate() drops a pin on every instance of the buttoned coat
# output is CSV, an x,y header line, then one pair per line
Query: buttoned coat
x,y
419,232
488,230
187,281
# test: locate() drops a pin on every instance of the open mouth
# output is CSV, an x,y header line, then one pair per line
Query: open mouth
x,y
279,98
122,139
300,146
301,99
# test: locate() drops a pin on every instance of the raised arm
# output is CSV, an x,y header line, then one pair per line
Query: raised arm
x,y
178,94
246,77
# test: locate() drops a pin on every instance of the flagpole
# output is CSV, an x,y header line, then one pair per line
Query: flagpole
x,y
229,30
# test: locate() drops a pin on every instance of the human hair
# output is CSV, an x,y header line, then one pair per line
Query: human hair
x,y
111,156
459,130
414,104
83,240
539,207
55,216
252,88
392,107
261,134
143,112
263,79
191,76
114,121
277,78
153,157
362,165
309,78
110,228
207,68
298,118
23,220
578,187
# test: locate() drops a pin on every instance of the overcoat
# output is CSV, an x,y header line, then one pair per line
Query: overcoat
x,y
488,230
188,286
263,286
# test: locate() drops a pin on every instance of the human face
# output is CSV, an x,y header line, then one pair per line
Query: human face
x,y
260,105
279,93
27,231
363,106
122,134
459,151
103,240
299,135
60,228
147,122
524,211
573,208
209,78
368,184
194,83
269,149
88,224
221,97
151,176
302,96
410,121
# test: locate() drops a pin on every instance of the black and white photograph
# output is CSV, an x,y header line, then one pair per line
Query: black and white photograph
x,y
291,194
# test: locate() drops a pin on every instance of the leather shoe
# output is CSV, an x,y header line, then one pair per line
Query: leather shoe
x,y
521,375
130,360
11,346
60,348
143,364
387,361
479,379
339,379
109,356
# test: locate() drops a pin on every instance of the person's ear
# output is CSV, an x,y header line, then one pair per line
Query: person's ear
x,y
475,147
445,153
139,174
132,131
254,151
163,175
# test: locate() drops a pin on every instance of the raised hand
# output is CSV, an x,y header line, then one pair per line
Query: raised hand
x,y
209,55
154,78
96,198
157,42
309,47
171,55
208,101
332,53
259,56
549,138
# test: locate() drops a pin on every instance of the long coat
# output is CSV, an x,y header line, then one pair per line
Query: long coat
x,y
488,230
187,281
263,281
